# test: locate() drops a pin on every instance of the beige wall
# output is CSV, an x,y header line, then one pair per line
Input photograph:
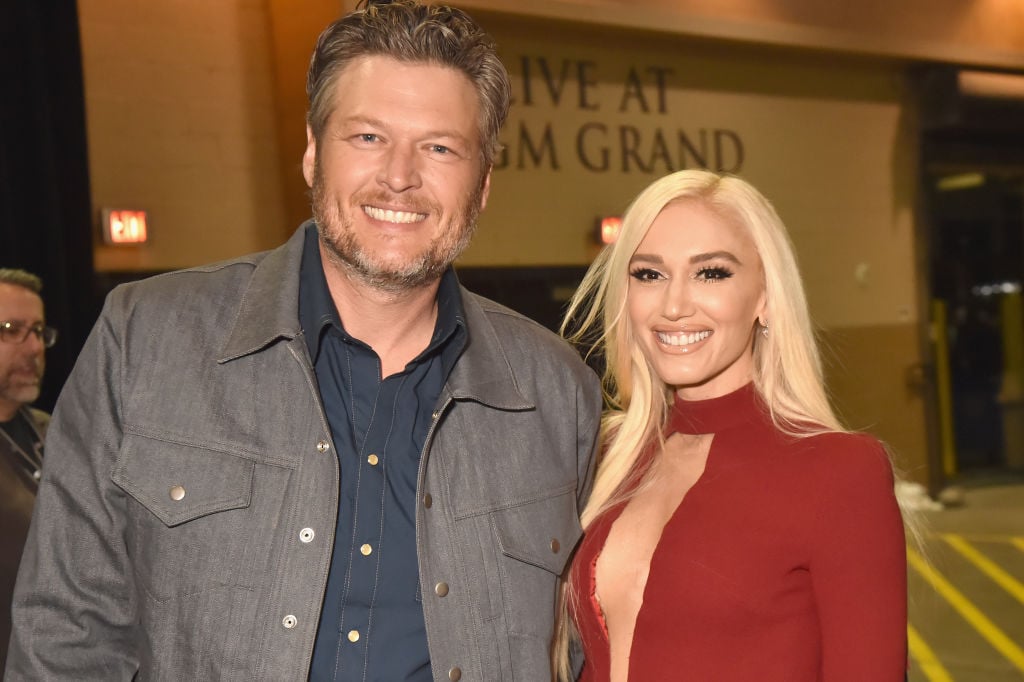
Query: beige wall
x,y
195,112
827,140
824,140
985,33
181,119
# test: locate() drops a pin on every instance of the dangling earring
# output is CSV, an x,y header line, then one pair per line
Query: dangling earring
x,y
764,328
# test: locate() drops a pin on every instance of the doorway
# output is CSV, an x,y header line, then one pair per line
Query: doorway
x,y
974,209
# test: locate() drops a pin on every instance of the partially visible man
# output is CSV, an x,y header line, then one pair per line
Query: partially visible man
x,y
24,338
328,461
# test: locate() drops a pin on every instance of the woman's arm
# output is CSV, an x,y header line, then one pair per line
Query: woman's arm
x,y
858,566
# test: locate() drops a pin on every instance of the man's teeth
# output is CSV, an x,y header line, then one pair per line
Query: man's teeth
x,y
682,339
390,216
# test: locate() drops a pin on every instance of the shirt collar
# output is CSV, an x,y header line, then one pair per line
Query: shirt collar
x,y
317,310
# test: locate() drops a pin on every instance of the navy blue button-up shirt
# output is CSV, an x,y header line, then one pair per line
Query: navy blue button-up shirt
x,y
371,625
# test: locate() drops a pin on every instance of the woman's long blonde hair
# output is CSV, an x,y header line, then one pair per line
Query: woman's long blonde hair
x,y
787,366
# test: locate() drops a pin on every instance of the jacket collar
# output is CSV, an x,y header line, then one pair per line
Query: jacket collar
x,y
483,372
269,311
270,304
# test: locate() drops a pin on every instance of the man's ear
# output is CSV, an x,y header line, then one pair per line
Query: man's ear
x,y
309,157
486,189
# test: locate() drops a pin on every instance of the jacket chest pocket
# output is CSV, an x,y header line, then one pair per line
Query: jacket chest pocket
x,y
524,548
199,518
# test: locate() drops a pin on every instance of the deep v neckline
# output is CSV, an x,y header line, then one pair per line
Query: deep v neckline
x,y
704,417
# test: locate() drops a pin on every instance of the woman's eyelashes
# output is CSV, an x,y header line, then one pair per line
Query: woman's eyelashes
x,y
707,273
713,273
645,274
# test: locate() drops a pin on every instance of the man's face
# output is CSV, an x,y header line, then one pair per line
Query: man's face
x,y
397,175
21,364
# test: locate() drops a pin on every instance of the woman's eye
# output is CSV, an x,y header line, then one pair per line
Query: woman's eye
x,y
645,275
713,274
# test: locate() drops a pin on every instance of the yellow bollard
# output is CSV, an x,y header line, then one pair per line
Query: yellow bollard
x,y
943,388
1011,392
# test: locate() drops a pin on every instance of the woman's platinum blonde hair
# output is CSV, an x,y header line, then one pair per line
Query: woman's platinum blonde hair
x,y
787,366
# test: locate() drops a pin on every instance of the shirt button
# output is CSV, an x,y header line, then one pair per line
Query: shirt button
x,y
441,589
455,674
428,500
353,636
306,534
365,550
177,493
555,545
322,446
289,621
372,459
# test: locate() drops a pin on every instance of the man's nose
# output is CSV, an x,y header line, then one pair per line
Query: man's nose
x,y
400,171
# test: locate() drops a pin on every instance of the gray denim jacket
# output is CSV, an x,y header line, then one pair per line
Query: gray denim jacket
x,y
185,520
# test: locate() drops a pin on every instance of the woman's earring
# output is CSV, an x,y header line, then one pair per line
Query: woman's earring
x,y
764,327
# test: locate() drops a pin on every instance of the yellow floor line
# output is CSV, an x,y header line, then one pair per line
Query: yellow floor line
x,y
926,659
986,566
986,628
984,538
1018,542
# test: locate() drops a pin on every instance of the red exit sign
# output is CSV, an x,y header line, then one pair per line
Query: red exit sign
x,y
122,226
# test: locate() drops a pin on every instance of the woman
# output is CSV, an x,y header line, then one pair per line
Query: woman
x,y
735,531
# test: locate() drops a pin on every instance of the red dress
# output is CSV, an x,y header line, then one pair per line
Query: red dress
x,y
785,562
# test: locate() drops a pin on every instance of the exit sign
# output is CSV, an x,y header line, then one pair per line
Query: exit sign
x,y
122,226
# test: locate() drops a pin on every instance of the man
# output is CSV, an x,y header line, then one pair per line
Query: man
x,y
24,338
329,460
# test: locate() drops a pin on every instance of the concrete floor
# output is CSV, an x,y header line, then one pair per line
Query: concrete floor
x,y
967,595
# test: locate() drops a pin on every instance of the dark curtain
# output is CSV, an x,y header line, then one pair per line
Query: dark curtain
x,y
45,212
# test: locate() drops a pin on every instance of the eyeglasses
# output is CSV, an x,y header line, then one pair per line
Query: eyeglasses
x,y
17,332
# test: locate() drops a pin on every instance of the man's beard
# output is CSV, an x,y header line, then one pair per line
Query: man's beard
x,y
335,225
13,390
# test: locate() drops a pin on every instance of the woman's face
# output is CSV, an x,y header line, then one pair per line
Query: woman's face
x,y
695,292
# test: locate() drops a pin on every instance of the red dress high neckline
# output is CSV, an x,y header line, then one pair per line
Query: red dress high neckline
x,y
785,562
715,414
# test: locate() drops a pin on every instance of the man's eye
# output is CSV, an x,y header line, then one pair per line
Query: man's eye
x,y
439,149
368,137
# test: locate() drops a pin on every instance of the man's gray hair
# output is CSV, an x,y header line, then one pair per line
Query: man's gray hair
x,y
409,31
21,278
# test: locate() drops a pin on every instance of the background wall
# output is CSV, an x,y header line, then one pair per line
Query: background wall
x,y
980,32
181,121
828,140
195,113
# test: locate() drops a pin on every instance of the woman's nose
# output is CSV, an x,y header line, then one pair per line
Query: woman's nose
x,y
678,302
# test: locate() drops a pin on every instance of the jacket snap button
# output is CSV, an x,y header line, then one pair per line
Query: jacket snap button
x,y
455,674
441,589
322,446
289,621
555,545
428,500
177,493
306,534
